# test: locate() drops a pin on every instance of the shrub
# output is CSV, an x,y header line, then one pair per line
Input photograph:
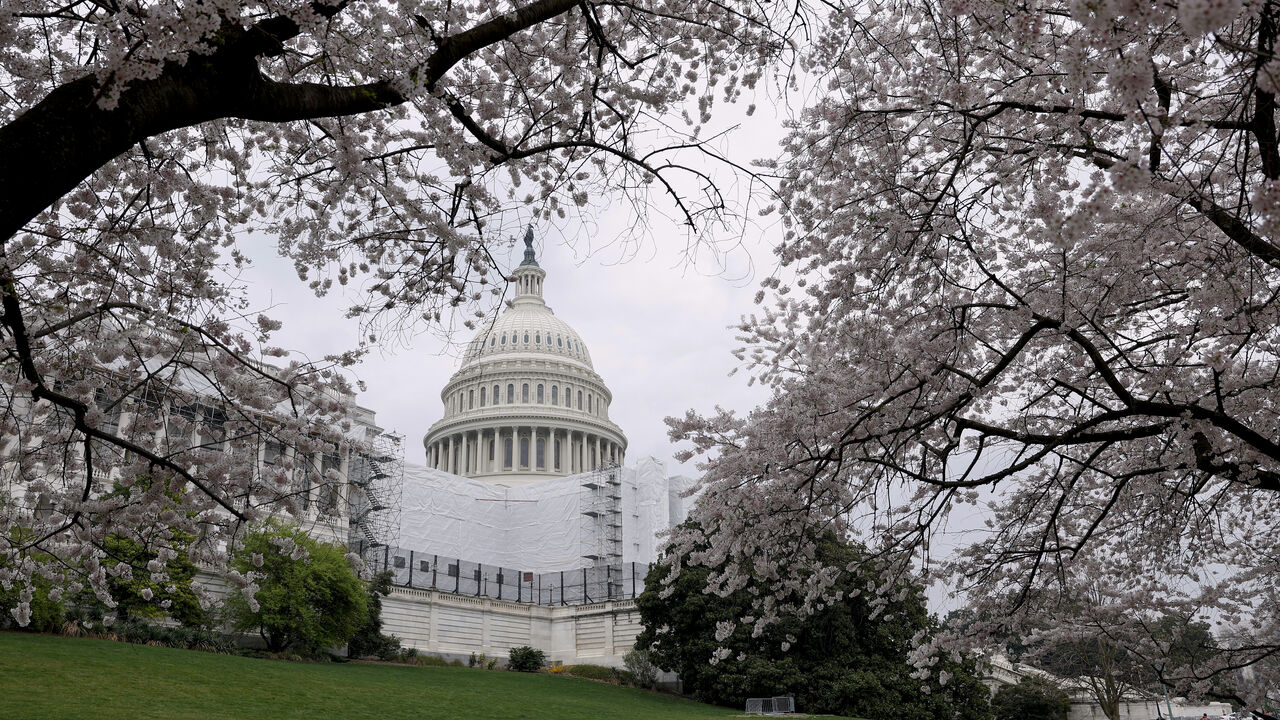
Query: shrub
x,y
590,672
369,638
308,595
144,595
526,659
46,614
643,673
1032,698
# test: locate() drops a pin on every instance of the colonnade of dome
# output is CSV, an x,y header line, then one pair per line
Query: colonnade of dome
x,y
526,402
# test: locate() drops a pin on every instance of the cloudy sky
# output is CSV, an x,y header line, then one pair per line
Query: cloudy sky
x,y
654,306
657,323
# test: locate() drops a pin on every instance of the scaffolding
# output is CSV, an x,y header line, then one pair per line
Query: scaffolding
x,y
602,526
377,484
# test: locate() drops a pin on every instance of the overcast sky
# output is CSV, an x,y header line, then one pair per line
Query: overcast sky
x,y
657,325
655,315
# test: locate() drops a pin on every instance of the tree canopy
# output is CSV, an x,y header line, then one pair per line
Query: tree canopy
x,y
306,594
1031,276
149,149
848,657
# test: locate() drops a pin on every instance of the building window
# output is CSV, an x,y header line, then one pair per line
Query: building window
x,y
526,338
555,453
398,561
453,569
538,338
524,452
542,453
482,397
471,399
273,452
524,393
506,443
568,397
540,400
497,394
504,338
511,393
559,342
589,396
555,395
493,341
424,566
579,399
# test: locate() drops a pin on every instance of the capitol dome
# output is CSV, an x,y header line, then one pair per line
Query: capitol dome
x,y
526,403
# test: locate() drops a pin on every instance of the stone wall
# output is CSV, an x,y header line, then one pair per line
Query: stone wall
x,y
456,626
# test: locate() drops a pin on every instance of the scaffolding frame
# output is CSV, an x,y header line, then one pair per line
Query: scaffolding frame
x,y
376,478
602,526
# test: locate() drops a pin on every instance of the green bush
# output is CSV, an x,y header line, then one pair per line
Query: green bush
x,y
526,659
846,658
46,614
1032,698
369,639
172,589
310,599
591,672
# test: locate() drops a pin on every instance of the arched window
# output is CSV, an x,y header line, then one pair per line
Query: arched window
x,y
540,400
589,396
524,393
497,394
559,342
555,395
471,399
506,444
538,338
504,338
493,341
579,399
568,397
542,453
511,393
556,453
482,397
524,452
526,338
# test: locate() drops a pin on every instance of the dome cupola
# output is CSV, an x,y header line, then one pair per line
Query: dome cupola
x,y
526,402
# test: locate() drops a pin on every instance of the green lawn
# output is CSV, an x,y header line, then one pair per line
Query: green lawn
x,y
44,677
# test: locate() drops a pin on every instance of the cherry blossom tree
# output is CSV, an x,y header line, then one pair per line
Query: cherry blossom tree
x,y
1030,279
147,147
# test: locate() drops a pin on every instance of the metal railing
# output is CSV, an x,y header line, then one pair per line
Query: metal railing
x,y
578,586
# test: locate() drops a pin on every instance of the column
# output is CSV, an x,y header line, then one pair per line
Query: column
x,y
515,448
448,464
464,465
599,459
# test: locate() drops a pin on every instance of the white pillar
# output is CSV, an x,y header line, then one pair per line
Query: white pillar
x,y
465,465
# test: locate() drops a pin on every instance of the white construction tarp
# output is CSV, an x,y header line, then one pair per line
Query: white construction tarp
x,y
539,527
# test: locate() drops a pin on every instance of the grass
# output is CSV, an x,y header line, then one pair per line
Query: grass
x,y
55,678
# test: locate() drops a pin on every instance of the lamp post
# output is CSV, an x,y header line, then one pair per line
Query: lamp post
x,y
1168,705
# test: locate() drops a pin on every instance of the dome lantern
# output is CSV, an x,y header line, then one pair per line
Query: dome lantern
x,y
528,276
